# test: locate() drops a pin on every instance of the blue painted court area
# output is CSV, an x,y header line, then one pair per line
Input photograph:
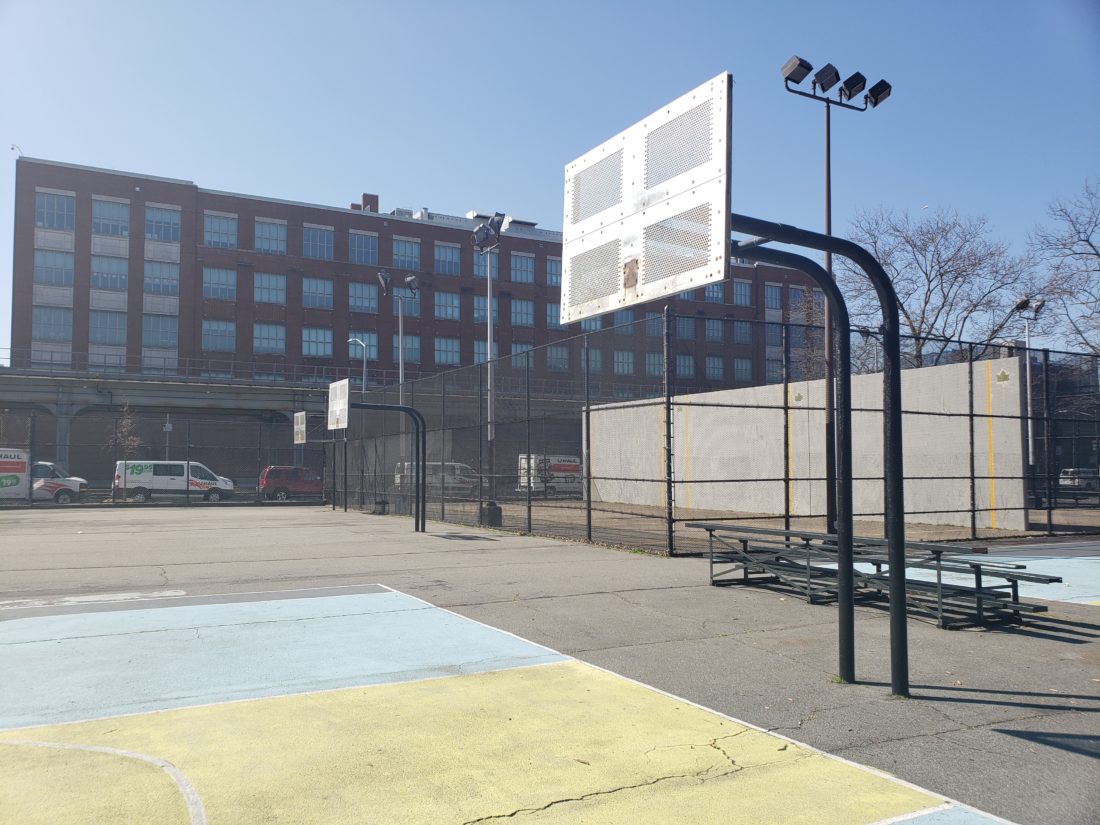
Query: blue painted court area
x,y
96,664
1080,576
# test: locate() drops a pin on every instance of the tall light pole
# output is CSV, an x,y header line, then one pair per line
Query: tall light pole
x,y
794,72
486,238
1022,306
363,385
411,285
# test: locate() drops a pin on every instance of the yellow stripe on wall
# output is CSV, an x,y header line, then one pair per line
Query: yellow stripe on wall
x,y
989,430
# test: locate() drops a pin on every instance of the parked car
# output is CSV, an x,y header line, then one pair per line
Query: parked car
x,y
283,483
141,480
1079,478
449,478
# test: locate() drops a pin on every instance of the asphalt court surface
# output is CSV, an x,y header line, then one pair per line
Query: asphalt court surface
x,y
363,704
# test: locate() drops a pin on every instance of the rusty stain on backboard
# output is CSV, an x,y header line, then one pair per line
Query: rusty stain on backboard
x,y
630,277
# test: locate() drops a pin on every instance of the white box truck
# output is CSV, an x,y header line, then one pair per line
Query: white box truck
x,y
550,475
50,481
141,480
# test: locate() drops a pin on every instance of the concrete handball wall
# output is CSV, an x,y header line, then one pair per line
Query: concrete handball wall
x,y
729,447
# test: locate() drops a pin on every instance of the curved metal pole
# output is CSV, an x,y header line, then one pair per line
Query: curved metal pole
x,y
891,409
843,526
421,427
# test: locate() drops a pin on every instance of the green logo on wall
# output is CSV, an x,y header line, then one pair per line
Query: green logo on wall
x,y
8,481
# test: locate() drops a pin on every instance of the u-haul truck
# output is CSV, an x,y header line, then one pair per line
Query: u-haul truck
x,y
51,482
550,474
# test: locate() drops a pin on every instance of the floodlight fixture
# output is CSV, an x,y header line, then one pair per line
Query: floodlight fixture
x,y
1042,302
878,93
826,77
411,283
853,86
1021,305
384,279
486,236
795,70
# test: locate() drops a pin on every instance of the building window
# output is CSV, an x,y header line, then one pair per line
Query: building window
x,y
406,254
107,328
53,268
109,273
269,338
796,297
219,336
595,360
623,363
412,349
270,236
523,268
713,329
219,284
622,320
317,293
773,370
654,324
362,248
362,297
446,306
742,370
714,368
110,218
553,271
557,358
160,331
162,224
742,293
447,350
447,259
553,316
53,324
654,364
317,242
687,295
54,211
411,300
269,288
685,328
685,366
592,324
219,231
162,278
712,293
773,296
316,342
523,313
521,356
494,264
355,351
479,309
742,332
773,335
479,350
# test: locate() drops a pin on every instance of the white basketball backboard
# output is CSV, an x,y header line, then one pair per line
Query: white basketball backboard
x,y
647,212
299,428
339,398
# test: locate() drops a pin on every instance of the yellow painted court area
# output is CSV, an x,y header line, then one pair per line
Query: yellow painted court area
x,y
562,742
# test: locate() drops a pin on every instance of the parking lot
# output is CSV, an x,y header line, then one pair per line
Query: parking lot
x,y
301,664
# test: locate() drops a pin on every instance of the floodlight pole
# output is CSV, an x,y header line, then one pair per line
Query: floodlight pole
x,y
363,387
489,400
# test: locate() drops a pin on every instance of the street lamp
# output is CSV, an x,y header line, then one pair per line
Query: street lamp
x,y
486,238
1022,306
363,385
411,286
794,71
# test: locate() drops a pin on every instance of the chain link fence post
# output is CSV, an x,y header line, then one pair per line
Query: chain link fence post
x,y
670,487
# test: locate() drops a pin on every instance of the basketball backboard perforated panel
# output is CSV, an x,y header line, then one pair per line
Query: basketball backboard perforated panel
x,y
339,404
647,212
299,428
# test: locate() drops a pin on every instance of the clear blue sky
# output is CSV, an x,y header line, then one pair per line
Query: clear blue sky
x,y
458,106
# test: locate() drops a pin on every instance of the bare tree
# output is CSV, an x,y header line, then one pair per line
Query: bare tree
x,y
126,437
953,282
1070,248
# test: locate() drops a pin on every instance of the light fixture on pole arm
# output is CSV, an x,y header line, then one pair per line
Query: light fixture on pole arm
x,y
486,238
363,381
794,71
411,286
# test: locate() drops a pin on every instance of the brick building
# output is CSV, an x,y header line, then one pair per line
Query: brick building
x,y
120,272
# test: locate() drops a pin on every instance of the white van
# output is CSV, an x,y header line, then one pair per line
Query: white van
x,y
141,480
550,475
454,479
